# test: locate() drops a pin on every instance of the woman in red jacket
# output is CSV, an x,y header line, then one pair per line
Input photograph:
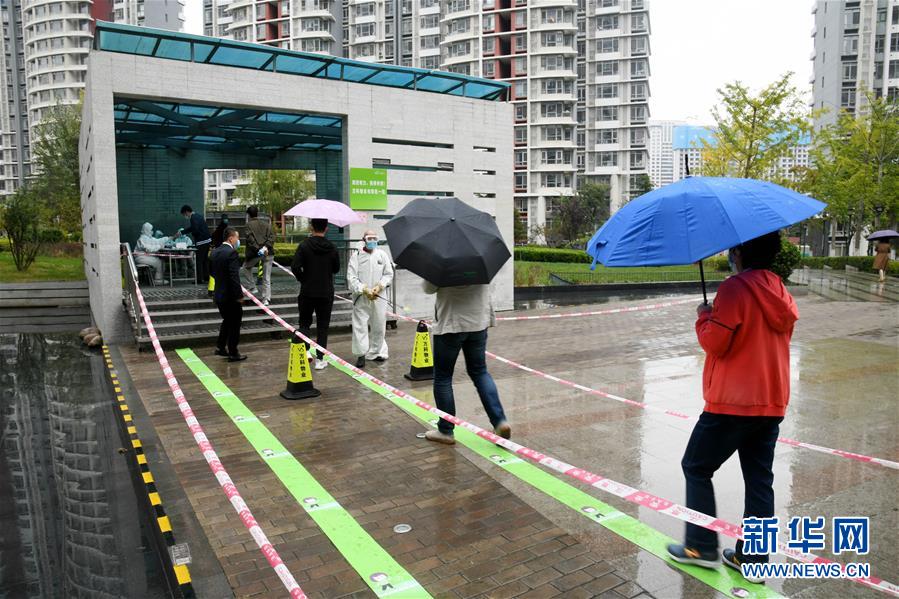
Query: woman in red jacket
x,y
746,386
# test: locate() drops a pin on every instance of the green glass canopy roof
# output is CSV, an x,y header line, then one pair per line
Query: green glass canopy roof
x,y
178,126
145,41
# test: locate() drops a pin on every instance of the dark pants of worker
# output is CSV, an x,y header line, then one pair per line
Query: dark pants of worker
x,y
229,332
473,347
203,263
321,306
715,438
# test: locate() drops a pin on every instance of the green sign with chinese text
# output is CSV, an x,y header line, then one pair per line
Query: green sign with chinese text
x,y
368,189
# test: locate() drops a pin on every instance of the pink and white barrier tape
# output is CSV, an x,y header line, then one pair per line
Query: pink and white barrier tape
x,y
866,459
636,496
221,475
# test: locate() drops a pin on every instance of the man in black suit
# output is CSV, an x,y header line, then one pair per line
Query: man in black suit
x,y
228,295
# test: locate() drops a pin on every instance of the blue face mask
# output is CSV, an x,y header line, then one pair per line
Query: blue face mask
x,y
371,245
237,244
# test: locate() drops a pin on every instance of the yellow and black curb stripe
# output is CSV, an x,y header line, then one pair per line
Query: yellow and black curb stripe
x,y
181,573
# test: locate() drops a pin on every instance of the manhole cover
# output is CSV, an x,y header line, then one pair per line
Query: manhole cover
x,y
420,435
402,528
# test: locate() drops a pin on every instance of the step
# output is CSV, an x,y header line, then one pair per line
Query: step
x,y
290,316
172,338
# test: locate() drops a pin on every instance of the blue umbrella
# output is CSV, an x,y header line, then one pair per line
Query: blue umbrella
x,y
695,218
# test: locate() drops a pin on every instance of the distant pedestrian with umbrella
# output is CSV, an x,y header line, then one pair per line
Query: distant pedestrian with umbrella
x,y
745,333
882,251
457,250
314,265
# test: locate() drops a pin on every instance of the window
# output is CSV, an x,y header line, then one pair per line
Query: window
x,y
607,46
557,133
847,98
521,112
553,63
365,30
521,135
878,70
553,15
312,24
850,44
521,43
894,69
638,46
488,46
430,62
638,69
555,156
556,180
429,42
607,159
552,110
430,21
365,50
607,136
285,29
882,16
365,10
555,86
851,19
521,65
406,25
457,26
850,71
459,49
638,114
638,23
609,90
607,68
894,43
638,160
638,91
489,69
608,113
520,89
489,22
519,20
607,22
456,6
878,44
551,40
608,3
895,15
407,47
521,158
521,182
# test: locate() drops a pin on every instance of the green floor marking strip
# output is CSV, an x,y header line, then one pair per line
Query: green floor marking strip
x,y
722,579
376,567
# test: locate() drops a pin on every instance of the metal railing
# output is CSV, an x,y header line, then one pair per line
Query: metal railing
x,y
129,287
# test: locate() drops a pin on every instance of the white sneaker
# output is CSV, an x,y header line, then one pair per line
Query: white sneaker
x,y
266,302
321,364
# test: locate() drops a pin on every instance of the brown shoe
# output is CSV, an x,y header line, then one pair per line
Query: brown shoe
x,y
503,430
438,437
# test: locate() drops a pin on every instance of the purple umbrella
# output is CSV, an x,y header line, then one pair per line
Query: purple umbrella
x,y
337,213
885,234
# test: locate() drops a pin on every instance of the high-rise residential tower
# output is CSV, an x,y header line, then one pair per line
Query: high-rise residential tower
x,y
856,52
579,72
45,48
661,152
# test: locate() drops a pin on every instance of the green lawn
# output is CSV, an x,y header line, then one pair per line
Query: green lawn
x,y
533,274
44,268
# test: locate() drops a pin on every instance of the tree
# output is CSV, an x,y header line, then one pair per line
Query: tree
x,y
643,185
275,191
55,169
754,131
520,228
580,215
21,221
856,167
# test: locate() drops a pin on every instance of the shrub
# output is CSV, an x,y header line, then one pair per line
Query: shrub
x,y
51,236
786,260
530,253
21,221
863,263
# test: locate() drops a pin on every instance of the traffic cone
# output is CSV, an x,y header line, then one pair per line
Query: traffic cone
x,y
210,288
422,368
299,375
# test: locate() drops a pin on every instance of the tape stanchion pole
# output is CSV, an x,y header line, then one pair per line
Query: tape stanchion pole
x,y
383,574
422,367
212,459
626,492
299,375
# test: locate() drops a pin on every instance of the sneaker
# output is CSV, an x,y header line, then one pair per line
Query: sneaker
x,y
503,430
438,437
321,364
360,362
687,555
729,557
380,359
266,302
254,290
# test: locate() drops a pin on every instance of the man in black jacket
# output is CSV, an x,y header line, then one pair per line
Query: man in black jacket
x,y
314,265
228,295
202,239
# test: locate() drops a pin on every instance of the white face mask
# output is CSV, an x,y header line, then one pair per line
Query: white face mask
x,y
237,244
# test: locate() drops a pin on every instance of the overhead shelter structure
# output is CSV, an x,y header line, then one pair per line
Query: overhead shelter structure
x,y
161,107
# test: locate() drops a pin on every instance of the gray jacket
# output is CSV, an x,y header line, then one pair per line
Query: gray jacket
x,y
466,309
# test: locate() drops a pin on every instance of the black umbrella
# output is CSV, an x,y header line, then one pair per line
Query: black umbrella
x,y
446,242
885,234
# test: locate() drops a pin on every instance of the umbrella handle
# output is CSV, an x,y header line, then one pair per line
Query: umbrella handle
x,y
705,299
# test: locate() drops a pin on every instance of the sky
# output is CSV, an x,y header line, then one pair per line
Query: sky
x,y
700,45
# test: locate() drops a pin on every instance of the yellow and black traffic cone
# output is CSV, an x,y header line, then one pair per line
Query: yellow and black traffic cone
x,y
299,375
422,368
210,288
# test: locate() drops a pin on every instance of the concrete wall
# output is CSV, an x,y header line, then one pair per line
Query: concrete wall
x,y
369,112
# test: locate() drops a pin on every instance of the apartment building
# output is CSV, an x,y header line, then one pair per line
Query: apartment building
x,y
856,52
45,47
661,152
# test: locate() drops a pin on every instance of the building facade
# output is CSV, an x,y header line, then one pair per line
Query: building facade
x,y
661,152
579,72
856,52
44,63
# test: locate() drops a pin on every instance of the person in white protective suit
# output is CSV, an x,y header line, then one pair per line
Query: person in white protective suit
x,y
369,273
147,243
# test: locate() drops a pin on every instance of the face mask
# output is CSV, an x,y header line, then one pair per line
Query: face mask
x,y
225,221
237,244
371,245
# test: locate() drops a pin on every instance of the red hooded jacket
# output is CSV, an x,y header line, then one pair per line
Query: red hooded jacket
x,y
746,338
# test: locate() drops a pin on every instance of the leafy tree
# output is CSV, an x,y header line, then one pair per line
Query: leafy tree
x,y
856,168
753,131
787,259
21,221
520,228
580,215
55,170
644,185
275,191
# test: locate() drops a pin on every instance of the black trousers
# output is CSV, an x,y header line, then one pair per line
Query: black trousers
x,y
321,306
229,332
203,263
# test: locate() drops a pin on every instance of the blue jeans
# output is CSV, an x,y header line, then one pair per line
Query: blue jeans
x,y
473,346
715,438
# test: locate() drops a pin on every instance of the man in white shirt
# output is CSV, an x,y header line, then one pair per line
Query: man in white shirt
x,y
463,315
369,273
